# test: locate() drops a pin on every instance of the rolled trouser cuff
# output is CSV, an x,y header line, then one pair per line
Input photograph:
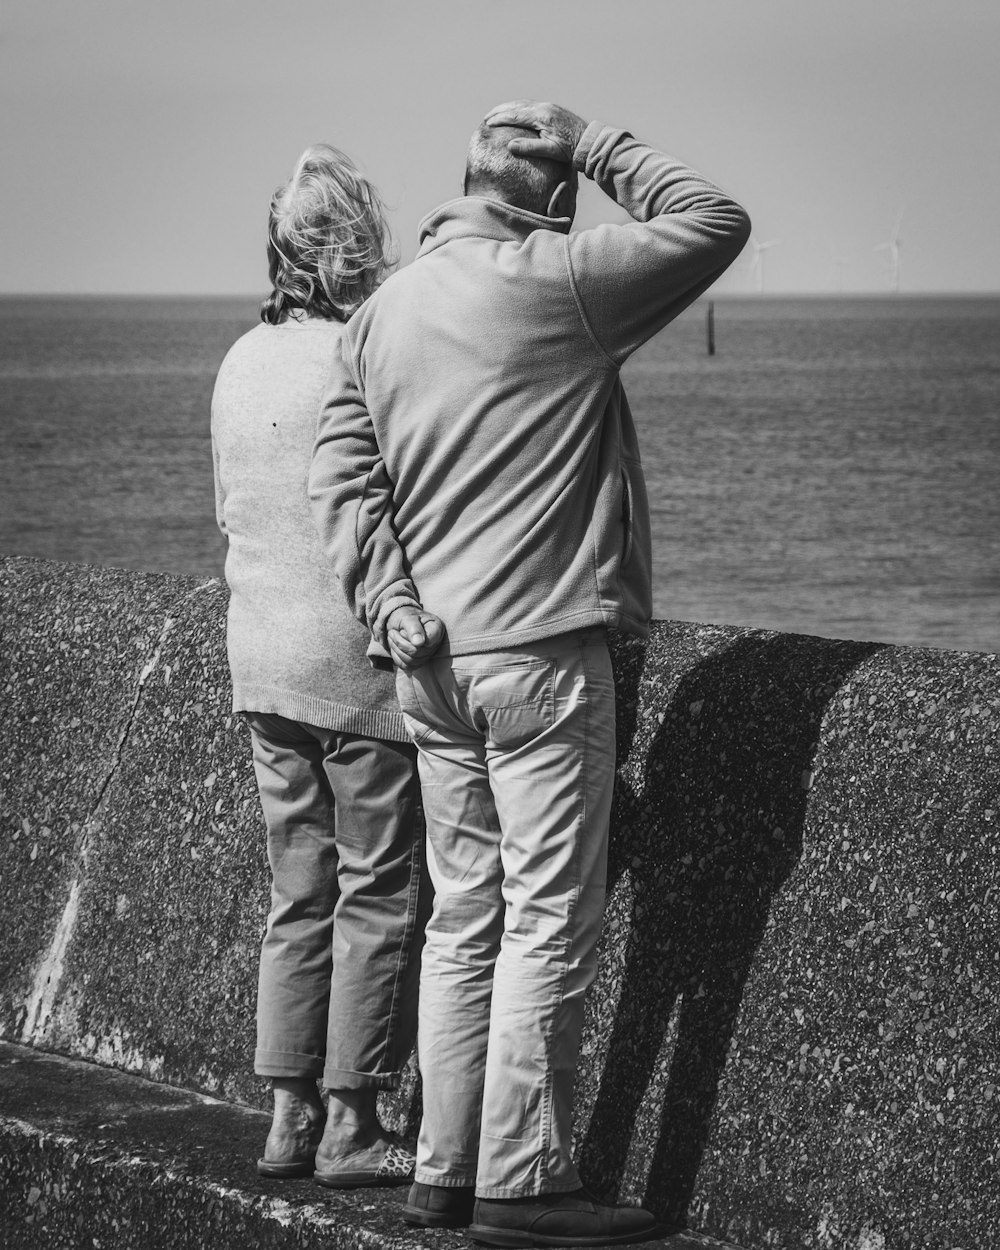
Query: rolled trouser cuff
x,y
341,1078
284,1063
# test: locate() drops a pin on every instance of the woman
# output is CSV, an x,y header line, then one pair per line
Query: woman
x,y
334,767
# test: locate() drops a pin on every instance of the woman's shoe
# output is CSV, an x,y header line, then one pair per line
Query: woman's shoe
x,y
291,1144
387,1162
286,1171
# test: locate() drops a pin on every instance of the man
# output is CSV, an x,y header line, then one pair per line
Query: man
x,y
476,478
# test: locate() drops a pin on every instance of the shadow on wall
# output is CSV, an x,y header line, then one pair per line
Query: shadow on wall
x,y
707,827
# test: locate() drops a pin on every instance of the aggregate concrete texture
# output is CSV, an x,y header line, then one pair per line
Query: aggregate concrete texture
x,y
794,1036
792,1041
68,675
146,790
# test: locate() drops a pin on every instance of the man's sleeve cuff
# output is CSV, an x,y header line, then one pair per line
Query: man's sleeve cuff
x,y
587,140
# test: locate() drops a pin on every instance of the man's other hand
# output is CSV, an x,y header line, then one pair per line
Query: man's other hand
x,y
557,130
413,636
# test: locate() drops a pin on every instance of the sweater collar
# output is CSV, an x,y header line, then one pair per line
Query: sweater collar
x,y
475,216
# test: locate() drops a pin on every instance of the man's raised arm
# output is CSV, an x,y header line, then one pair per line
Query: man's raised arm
x,y
632,279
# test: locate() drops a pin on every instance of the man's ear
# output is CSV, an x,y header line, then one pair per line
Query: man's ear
x,y
563,201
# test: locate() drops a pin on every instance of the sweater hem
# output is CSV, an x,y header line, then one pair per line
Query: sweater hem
x,y
323,713
589,618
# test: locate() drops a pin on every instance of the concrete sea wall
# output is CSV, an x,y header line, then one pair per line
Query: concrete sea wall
x,y
793,1039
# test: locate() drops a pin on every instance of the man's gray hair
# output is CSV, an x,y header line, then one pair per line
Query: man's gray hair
x,y
525,182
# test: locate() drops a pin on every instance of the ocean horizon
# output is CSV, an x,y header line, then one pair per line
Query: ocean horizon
x,y
831,470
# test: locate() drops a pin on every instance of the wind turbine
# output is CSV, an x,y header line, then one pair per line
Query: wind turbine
x,y
893,247
757,262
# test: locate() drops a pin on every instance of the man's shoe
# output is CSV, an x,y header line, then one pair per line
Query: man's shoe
x,y
439,1206
571,1219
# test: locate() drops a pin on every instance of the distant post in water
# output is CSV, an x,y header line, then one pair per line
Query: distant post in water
x,y
710,327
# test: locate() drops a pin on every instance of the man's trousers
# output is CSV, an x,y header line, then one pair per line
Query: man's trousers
x,y
516,759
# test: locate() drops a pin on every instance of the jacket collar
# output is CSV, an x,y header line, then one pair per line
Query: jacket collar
x,y
477,217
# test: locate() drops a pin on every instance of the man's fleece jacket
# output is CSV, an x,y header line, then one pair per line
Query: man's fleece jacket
x,y
475,449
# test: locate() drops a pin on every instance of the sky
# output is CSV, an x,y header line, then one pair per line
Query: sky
x,y
141,140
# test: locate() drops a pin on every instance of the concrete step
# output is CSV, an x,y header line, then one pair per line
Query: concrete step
x,y
95,1159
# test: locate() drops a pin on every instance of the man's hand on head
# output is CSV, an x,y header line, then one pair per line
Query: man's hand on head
x,y
413,636
557,130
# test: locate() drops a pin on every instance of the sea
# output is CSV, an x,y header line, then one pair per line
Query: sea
x,y
832,469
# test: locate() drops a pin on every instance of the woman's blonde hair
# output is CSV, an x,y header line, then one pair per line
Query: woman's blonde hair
x,y
328,244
